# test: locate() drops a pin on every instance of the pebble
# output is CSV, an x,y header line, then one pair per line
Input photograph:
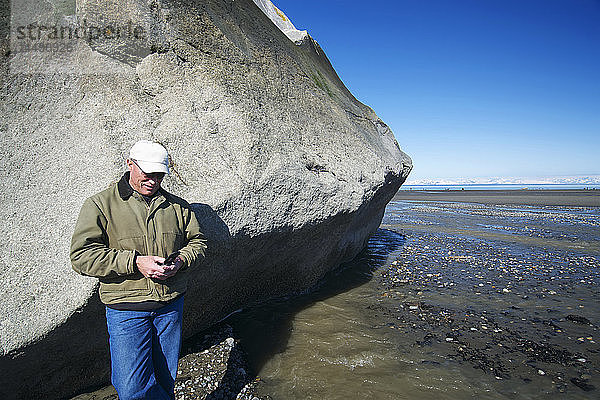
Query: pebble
x,y
578,319
582,384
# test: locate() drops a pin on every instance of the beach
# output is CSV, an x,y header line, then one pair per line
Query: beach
x,y
464,294
506,281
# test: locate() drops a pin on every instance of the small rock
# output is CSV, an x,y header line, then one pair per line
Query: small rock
x,y
582,384
578,319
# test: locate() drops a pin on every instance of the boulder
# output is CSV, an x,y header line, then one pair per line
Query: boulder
x,y
288,173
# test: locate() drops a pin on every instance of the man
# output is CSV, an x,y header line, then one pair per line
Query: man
x,y
140,241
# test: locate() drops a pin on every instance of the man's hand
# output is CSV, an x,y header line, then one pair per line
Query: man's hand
x,y
152,267
172,269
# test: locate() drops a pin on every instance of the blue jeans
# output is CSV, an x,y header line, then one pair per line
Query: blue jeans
x,y
144,351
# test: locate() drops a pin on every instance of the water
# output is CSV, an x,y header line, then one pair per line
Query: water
x,y
448,301
514,186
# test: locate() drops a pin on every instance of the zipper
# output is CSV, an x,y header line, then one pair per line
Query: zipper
x,y
155,288
151,284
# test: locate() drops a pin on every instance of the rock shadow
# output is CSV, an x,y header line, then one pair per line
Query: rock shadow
x,y
213,227
84,332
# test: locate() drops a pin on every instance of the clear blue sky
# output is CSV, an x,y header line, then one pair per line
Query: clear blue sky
x,y
471,88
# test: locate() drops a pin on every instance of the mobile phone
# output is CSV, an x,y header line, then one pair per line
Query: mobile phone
x,y
170,260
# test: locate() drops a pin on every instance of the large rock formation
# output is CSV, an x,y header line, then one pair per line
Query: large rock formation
x,y
289,173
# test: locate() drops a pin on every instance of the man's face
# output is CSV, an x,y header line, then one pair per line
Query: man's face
x,y
144,184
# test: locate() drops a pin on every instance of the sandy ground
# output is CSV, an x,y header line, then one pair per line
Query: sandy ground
x,y
575,197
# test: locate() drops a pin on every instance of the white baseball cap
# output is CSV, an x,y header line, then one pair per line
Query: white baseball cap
x,y
150,156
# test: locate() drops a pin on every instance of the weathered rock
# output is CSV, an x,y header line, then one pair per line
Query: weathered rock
x,y
289,174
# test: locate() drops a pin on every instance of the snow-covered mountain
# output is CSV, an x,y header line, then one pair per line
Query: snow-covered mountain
x,y
547,180
281,21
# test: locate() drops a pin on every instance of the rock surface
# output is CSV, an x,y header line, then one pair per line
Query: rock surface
x,y
288,173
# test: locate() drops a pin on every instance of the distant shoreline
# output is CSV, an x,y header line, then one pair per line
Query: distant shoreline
x,y
504,186
537,197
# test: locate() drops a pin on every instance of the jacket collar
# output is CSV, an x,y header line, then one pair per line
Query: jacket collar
x,y
125,189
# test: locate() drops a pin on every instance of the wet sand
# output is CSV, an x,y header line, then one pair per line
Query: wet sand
x,y
575,197
505,282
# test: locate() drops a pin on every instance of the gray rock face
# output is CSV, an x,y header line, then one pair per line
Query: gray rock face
x,y
289,174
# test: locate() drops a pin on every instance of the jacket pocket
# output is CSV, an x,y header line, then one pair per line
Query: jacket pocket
x,y
137,243
123,287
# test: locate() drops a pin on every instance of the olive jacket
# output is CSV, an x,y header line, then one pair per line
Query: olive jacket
x,y
117,224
